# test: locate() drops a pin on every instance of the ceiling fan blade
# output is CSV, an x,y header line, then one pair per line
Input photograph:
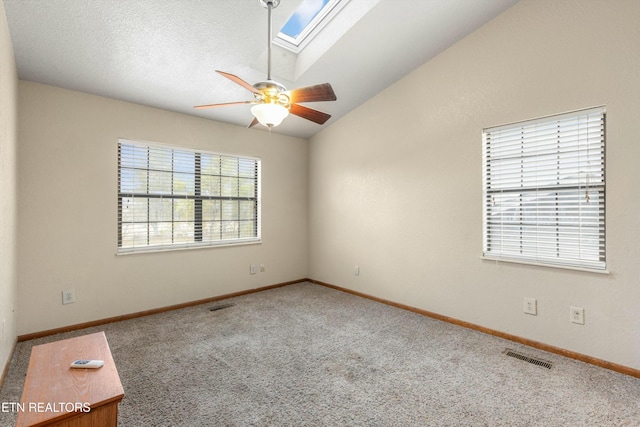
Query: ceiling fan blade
x,y
307,113
253,123
239,81
223,104
321,92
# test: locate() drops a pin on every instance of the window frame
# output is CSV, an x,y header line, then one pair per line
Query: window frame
x,y
192,197
588,221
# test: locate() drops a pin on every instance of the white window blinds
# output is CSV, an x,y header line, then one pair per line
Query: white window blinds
x,y
544,190
176,198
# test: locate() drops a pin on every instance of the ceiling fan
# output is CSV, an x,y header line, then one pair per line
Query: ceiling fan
x,y
272,102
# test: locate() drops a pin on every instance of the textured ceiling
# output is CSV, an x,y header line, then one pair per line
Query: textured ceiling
x,y
163,53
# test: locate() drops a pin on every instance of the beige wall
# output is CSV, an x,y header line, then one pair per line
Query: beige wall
x,y
395,186
8,194
68,220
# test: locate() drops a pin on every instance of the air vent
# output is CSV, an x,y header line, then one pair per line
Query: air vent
x,y
528,359
221,306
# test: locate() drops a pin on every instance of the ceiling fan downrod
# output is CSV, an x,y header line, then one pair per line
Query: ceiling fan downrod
x,y
269,5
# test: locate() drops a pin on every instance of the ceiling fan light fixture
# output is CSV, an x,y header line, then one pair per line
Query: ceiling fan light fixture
x,y
270,115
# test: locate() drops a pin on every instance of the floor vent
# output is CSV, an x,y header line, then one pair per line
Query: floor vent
x,y
529,359
221,306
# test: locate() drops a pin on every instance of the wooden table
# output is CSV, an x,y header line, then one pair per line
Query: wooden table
x,y
56,395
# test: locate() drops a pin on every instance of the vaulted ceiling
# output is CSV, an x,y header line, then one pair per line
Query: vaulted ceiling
x,y
163,53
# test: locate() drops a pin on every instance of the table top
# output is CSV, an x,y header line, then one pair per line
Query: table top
x,y
54,390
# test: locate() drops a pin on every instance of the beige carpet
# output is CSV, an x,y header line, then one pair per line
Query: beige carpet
x,y
306,355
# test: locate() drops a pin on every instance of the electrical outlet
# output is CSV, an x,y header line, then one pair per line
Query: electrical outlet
x,y
253,269
356,270
577,315
68,296
531,306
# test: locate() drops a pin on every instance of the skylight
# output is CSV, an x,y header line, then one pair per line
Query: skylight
x,y
302,17
305,23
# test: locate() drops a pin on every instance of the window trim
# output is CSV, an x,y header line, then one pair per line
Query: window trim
x,y
257,239
576,263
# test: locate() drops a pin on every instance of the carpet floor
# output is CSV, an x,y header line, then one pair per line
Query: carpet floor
x,y
307,355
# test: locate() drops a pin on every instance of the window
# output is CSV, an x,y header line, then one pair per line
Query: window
x,y
544,190
172,198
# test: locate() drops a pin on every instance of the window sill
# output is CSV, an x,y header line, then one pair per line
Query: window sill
x,y
538,264
185,248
